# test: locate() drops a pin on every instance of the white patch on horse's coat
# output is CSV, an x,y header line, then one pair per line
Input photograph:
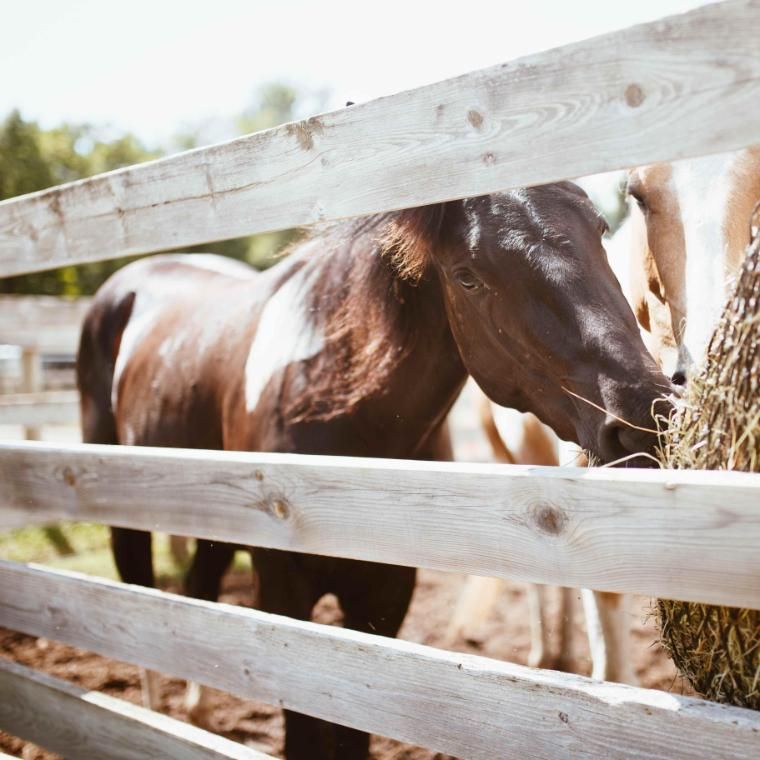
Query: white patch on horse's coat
x,y
510,425
171,345
286,333
140,321
218,264
704,188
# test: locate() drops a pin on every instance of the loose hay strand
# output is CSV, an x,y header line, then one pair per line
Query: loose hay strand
x,y
717,427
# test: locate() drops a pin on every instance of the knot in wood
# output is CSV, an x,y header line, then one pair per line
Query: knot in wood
x,y
304,131
69,478
475,118
280,508
549,519
634,95
259,475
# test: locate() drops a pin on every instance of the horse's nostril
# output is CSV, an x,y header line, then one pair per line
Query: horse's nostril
x,y
610,445
678,377
618,440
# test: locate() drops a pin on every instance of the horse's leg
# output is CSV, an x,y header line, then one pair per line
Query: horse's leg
x,y
133,556
203,581
539,656
607,626
178,549
286,588
566,629
476,601
374,599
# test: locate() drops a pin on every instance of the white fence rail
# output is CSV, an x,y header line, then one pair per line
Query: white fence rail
x,y
37,410
46,324
677,87
684,535
81,724
460,704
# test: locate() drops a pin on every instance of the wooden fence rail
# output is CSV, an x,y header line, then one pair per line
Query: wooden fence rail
x,y
39,409
80,724
670,89
43,323
678,534
460,704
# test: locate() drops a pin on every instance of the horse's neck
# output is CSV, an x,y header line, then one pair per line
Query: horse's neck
x,y
390,367
422,388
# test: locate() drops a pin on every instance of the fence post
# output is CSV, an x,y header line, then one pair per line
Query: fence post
x,y
31,382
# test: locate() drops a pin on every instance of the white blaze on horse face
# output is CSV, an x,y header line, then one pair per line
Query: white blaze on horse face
x,y
704,188
287,333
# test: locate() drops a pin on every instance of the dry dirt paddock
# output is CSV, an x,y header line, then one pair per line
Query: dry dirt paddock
x,y
505,636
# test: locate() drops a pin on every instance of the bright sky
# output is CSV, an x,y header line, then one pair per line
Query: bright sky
x,y
150,66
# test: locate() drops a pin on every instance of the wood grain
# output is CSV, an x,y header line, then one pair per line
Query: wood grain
x,y
460,704
45,323
40,409
675,534
674,88
76,723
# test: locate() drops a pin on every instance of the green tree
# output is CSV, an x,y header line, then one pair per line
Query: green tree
x,y
24,167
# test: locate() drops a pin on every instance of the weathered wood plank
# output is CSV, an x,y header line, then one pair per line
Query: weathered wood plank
x,y
679,87
40,409
677,534
84,724
45,323
450,702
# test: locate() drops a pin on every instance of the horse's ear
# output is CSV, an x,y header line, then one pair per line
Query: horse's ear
x,y
410,238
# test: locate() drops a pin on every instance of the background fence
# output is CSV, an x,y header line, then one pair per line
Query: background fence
x,y
674,88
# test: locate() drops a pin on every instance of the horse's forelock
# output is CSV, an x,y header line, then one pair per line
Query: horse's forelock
x,y
410,237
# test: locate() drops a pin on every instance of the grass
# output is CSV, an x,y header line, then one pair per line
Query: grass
x,y
91,550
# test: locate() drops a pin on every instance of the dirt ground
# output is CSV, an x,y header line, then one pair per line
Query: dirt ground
x,y
504,636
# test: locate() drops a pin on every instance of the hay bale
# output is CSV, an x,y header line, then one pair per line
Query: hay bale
x,y
718,428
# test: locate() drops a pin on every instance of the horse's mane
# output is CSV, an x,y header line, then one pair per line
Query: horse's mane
x,y
375,285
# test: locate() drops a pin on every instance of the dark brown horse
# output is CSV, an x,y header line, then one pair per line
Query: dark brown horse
x,y
358,344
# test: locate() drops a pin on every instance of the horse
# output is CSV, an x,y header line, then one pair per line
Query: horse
x,y
683,241
690,226
358,343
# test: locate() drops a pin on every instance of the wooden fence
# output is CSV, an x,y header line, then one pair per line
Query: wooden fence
x,y
40,325
674,88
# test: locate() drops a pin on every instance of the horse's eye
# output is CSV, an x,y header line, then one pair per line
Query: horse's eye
x,y
468,279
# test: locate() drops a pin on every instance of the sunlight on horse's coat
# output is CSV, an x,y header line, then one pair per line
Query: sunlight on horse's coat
x,y
705,189
214,263
144,314
287,333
